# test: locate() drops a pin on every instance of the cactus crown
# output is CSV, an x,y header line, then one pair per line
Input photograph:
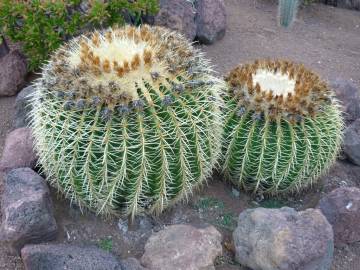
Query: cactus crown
x,y
279,89
110,67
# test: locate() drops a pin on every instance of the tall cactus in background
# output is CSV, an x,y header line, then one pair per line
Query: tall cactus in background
x,y
287,11
283,127
127,119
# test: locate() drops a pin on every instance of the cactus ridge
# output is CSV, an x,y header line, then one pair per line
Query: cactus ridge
x,y
142,141
279,145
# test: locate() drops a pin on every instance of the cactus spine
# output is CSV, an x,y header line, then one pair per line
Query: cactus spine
x,y
287,11
127,120
283,127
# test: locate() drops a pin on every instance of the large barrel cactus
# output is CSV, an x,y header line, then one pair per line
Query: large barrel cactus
x,y
283,127
127,120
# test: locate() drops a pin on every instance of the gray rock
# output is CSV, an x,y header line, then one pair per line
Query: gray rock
x,y
177,15
341,207
350,4
182,247
4,48
131,264
349,96
13,71
211,20
27,213
62,256
351,143
23,107
283,239
18,150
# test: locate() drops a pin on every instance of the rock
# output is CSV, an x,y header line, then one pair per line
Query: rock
x,y
4,48
62,256
12,73
351,143
177,15
18,150
131,264
341,207
349,96
23,107
282,239
180,247
350,4
211,20
27,213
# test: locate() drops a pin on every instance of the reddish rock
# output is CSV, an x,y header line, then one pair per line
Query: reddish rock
x,y
177,15
211,20
283,239
18,150
13,71
341,207
182,247
27,213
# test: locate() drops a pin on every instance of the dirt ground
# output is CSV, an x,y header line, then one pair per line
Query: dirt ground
x,y
324,38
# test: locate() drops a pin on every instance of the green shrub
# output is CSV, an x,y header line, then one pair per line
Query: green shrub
x,y
42,25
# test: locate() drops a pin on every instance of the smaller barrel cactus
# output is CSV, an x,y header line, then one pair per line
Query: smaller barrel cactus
x,y
127,120
283,127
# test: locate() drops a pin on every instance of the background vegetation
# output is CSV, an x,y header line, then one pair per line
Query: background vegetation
x,y
42,25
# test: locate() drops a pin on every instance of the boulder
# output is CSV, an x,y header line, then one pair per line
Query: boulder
x,y
27,212
210,20
283,239
23,107
341,207
351,143
18,150
63,256
349,96
177,15
13,71
182,247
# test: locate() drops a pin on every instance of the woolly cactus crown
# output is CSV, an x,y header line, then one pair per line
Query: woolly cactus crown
x,y
283,127
112,65
127,119
279,89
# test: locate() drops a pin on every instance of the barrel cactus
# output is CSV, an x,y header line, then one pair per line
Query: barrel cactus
x,y
287,11
127,120
283,127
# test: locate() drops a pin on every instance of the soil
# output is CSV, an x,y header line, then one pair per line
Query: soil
x,y
324,38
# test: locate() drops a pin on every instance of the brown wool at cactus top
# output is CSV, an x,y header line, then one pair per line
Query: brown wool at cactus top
x,y
279,88
110,65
